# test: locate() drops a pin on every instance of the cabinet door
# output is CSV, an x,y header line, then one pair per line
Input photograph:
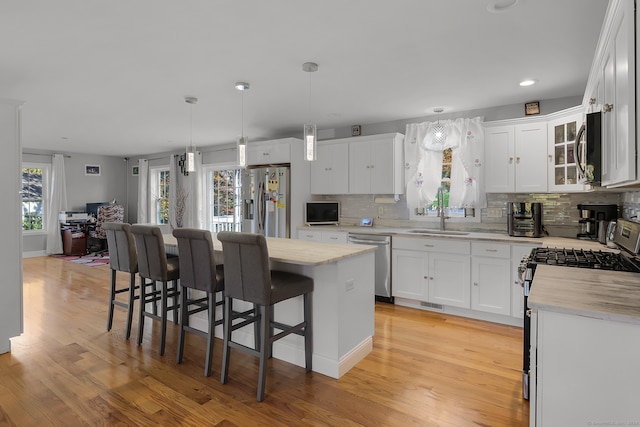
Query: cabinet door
x,y
619,151
531,157
382,167
491,280
410,274
264,154
499,159
330,173
360,167
449,279
562,167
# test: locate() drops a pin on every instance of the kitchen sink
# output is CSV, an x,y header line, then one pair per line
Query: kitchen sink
x,y
439,232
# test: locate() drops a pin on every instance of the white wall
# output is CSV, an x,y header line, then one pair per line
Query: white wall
x,y
10,223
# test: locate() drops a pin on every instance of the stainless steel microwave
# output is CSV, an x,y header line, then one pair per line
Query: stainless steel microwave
x,y
589,149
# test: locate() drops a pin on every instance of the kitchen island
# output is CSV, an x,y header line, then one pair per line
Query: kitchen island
x,y
585,347
343,302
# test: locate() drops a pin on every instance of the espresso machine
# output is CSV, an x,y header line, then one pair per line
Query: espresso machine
x,y
524,219
594,221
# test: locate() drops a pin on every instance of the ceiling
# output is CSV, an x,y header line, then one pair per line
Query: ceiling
x,y
110,77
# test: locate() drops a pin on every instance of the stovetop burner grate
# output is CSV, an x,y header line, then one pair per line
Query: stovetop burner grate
x,y
581,258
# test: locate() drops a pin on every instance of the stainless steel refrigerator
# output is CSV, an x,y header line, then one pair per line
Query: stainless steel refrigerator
x,y
265,200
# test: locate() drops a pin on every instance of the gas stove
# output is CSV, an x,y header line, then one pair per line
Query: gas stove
x,y
627,239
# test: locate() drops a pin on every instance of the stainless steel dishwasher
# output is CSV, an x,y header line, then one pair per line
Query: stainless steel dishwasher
x,y
383,261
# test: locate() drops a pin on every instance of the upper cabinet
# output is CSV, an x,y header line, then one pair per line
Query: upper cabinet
x,y
360,165
611,89
516,158
269,152
376,165
562,167
330,172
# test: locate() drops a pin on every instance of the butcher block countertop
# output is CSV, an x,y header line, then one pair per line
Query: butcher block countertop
x,y
298,252
600,294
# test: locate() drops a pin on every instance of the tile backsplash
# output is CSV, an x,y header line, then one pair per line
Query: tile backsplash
x,y
560,215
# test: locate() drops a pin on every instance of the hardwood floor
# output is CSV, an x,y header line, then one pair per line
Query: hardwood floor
x,y
426,369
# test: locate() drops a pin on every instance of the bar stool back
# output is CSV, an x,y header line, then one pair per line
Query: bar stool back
x,y
248,278
122,257
154,265
199,272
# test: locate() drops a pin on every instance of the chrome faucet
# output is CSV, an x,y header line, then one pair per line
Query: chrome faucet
x,y
440,201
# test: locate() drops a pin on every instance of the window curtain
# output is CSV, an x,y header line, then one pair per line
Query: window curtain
x,y
423,162
143,191
57,203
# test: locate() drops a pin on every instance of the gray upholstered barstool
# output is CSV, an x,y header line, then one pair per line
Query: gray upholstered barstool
x,y
122,257
198,272
247,277
154,265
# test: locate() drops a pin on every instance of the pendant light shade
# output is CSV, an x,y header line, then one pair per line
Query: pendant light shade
x,y
190,155
310,142
241,141
310,132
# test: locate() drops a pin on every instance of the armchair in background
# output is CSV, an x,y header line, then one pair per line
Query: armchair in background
x,y
110,213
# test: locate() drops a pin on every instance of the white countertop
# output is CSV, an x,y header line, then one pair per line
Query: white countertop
x,y
600,294
298,252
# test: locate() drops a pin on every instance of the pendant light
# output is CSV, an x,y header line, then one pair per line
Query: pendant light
x,y
190,155
439,130
241,141
310,131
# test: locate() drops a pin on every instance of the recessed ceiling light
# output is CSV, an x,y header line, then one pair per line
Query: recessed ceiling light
x,y
499,6
527,82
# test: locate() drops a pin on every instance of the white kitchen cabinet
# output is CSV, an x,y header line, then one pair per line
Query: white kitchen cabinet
x,y
562,155
376,164
518,252
269,152
491,277
516,158
431,270
611,89
323,236
330,172
583,370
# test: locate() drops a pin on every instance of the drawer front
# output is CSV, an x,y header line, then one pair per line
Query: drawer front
x,y
432,245
494,250
314,236
334,236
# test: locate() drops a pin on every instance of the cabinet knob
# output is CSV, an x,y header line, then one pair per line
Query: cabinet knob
x,y
426,277
510,159
592,101
607,108
550,158
528,313
517,160
475,283
430,277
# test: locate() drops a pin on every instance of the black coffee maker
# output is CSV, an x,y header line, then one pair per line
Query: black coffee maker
x,y
594,220
524,219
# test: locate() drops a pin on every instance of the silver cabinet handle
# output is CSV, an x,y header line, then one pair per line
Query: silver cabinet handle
x,y
429,246
491,250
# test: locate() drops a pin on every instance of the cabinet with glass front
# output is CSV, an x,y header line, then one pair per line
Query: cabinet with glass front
x,y
563,169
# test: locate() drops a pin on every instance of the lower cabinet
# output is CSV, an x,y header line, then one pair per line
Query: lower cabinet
x,y
431,270
491,284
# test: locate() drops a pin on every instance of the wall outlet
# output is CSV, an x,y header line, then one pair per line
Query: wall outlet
x,y
494,213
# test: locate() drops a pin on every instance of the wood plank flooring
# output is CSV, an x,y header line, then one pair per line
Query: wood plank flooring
x,y
426,369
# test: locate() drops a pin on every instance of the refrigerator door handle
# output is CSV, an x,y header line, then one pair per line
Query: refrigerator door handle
x,y
261,208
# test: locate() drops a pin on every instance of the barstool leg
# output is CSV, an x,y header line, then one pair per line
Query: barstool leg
x,y
112,297
163,319
211,334
228,304
132,296
308,331
143,300
183,323
175,300
265,343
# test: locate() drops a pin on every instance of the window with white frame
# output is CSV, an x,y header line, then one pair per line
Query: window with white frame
x,y
159,181
35,178
223,198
